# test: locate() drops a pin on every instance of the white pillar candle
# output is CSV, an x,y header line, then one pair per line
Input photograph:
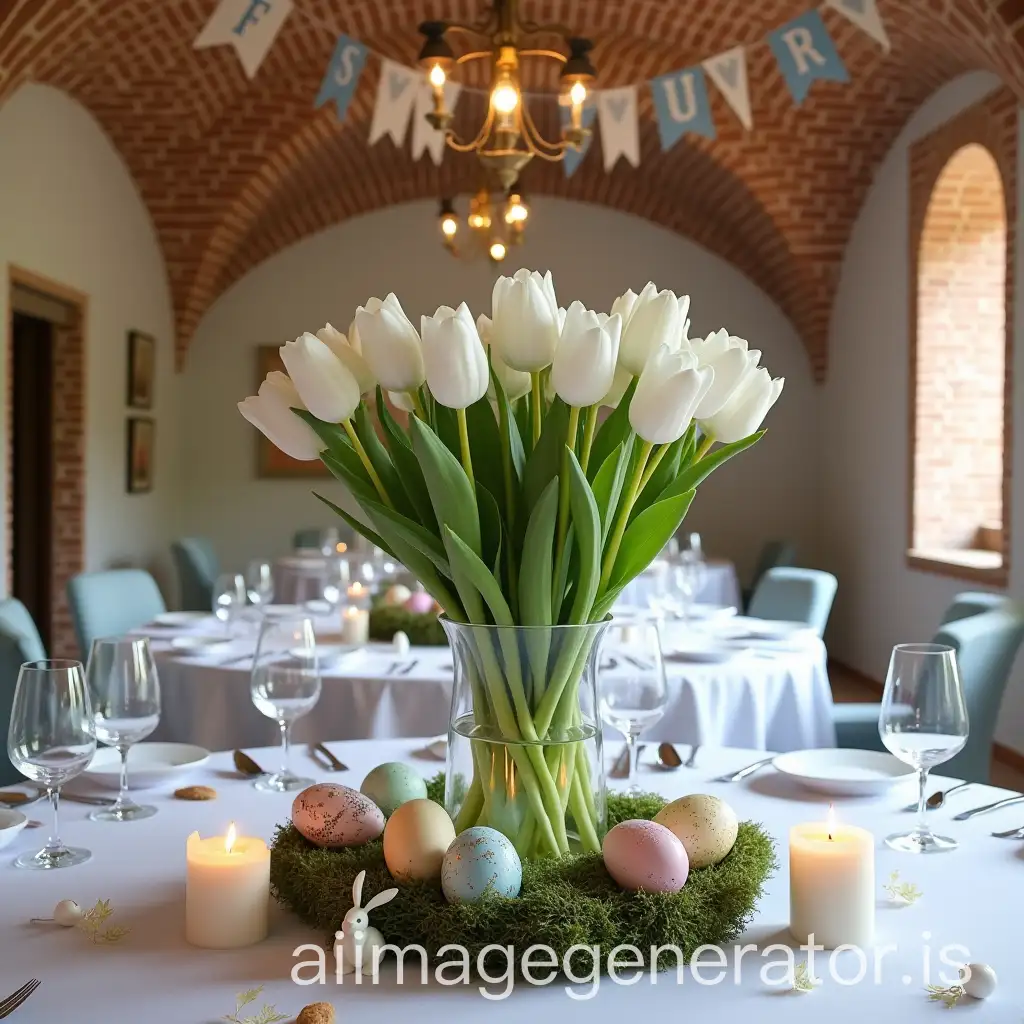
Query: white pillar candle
x,y
355,626
832,884
227,890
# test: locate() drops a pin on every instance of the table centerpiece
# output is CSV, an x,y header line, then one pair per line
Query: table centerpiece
x,y
519,510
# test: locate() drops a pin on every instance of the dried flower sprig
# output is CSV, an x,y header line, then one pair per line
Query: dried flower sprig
x,y
949,995
267,1014
92,921
802,979
902,892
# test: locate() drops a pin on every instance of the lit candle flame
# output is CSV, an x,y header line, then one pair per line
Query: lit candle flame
x,y
830,820
341,548
356,588
229,839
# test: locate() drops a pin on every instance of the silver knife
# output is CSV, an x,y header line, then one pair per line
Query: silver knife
x,y
93,801
1005,802
744,772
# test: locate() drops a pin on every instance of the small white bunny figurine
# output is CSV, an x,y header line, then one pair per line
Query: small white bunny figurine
x,y
357,945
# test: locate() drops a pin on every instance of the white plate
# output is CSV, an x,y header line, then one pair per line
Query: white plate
x,y
180,618
198,643
844,772
149,764
11,823
743,627
697,652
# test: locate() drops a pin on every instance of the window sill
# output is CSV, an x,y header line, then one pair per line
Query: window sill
x,y
967,564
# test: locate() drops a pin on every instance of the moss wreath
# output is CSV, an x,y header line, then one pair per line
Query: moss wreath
x,y
568,902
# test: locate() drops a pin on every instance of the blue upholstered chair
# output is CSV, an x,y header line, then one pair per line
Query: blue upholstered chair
x,y
774,553
974,602
112,603
198,569
795,595
306,539
986,645
19,642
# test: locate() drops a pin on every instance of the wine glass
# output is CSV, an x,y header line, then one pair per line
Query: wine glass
x,y
923,722
328,541
687,577
633,692
285,685
124,691
336,580
51,740
259,583
229,597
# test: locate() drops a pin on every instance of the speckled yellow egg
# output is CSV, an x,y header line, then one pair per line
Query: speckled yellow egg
x,y
705,825
334,816
392,784
416,839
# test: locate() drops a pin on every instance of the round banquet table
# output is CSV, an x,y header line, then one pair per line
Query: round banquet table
x,y
769,697
154,976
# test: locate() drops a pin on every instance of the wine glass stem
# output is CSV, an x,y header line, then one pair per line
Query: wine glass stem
x,y
632,748
285,743
53,843
922,807
122,793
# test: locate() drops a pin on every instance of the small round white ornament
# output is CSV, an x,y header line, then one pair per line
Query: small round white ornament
x,y
400,642
67,913
979,980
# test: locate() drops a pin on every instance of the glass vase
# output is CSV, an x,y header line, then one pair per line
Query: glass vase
x,y
525,750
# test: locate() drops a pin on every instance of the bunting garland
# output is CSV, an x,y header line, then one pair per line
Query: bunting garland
x,y
802,47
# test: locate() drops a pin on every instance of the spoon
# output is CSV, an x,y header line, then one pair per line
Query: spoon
x,y
668,757
937,799
246,765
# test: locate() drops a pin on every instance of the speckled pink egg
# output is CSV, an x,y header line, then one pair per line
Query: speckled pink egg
x,y
645,855
331,815
420,602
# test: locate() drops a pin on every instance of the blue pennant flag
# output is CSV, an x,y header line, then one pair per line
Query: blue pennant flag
x,y
805,52
342,75
681,106
574,157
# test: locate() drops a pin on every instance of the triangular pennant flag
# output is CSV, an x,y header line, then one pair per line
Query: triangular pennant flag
x,y
396,96
425,137
728,70
249,26
342,75
620,133
805,53
574,157
864,14
681,106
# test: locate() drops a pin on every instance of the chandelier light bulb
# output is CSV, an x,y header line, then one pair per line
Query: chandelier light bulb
x,y
449,225
437,76
577,94
516,212
497,250
505,98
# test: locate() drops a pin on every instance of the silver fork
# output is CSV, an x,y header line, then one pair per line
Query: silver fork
x,y
15,999
744,772
1011,833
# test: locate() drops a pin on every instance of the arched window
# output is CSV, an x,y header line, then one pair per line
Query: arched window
x,y
959,370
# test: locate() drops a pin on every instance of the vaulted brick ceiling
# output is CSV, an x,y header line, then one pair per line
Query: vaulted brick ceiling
x,y
232,170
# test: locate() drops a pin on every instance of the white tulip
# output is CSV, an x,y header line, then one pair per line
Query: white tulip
x,y
732,363
514,383
390,344
654,321
270,412
561,319
525,320
585,359
327,387
400,400
745,410
454,356
619,384
624,305
350,356
667,394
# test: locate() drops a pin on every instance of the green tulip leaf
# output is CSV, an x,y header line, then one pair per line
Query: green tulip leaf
x,y
538,545
364,531
509,427
485,448
545,460
381,461
647,535
697,472
689,446
476,572
391,525
332,434
345,466
667,471
608,482
409,472
586,521
615,429
490,523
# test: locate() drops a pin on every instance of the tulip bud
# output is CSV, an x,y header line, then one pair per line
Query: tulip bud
x,y
514,383
456,364
624,305
732,363
746,408
326,386
270,412
350,356
525,320
654,321
667,393
400,400
585,360
390,344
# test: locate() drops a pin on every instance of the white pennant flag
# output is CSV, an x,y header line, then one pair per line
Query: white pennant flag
x,y
396,95
620,134
728,70
425,137
864,14
250,26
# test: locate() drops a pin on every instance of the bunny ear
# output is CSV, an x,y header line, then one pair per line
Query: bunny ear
x,y
357,889
381,898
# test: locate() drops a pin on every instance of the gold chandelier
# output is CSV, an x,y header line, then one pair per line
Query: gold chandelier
x,y
508,138
494,227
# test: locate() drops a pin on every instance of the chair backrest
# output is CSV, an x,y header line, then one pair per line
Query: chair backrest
x,y
985,646
774,553
19,642
974,602
198,569
795,595
112,603
306,539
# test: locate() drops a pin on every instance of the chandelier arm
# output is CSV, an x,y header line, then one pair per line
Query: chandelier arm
x,y
533,28
468,147
536,142
475,55
554,54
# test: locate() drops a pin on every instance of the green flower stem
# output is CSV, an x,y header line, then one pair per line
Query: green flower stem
x,y
705,444
365,460
467,457
626,506
510,507
417,404
585,824
563,498
589,428
652,466
536,403
472,805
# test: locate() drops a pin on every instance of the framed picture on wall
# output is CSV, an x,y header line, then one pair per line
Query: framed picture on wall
x,y
271,462
141,370
141,438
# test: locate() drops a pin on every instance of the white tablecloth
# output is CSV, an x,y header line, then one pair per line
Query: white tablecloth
x,y
762,699
971,898
721,587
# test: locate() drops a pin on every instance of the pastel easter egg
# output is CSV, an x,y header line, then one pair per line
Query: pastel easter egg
x,y
704,824
392,784
396,595
480,861
420,602
416,838
332,815
979,980
645,855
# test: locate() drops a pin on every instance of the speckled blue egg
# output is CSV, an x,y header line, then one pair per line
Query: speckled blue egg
x,y
481,860
392,784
